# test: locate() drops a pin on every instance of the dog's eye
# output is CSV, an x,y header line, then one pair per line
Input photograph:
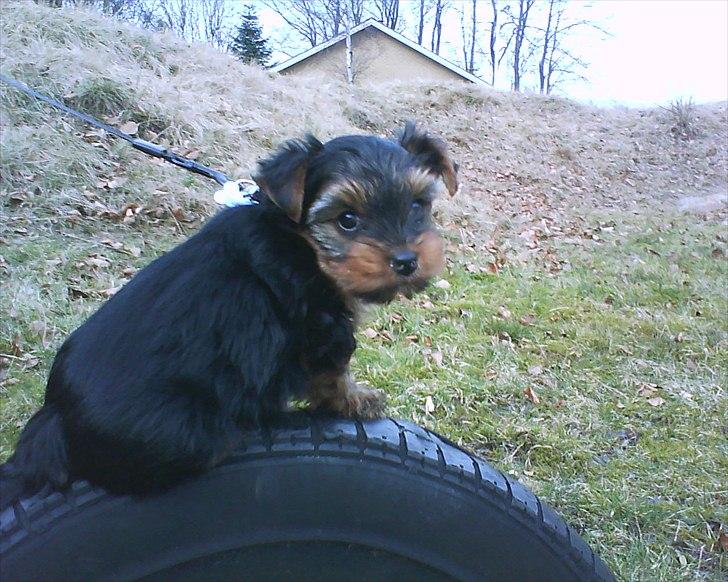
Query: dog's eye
x,y
418,204
348,221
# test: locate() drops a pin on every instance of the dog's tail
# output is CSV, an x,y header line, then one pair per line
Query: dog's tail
x,y
40,458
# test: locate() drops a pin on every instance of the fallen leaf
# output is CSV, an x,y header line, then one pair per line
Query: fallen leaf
x,y
38,327
656,401
535,370
30,362
370,333
412,338
117,246
16,346
530,393
134,251
116,182
429,405
492,268
680,337
129,272
647,390
437,357
98,262
504,312
529,319
442,284
76,293
110,292
722,542
129,127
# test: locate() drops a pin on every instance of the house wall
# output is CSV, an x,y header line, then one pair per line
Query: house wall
x,y
376,58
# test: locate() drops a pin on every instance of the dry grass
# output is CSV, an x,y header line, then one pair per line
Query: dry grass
x,y
571,272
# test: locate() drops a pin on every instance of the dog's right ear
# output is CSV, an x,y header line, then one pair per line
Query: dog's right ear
x,y
282,177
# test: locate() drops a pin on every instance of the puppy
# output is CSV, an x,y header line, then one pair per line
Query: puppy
x,y
258,308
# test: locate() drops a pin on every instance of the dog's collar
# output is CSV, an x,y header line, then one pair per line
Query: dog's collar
x,y
238,193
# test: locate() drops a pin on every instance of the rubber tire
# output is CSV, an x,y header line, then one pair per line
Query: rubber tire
x,y
312,499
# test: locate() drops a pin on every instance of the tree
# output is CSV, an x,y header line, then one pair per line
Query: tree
x,y
519,35
318,20
556,62
421,21
469,32
493,40
440,6
248,43
388,12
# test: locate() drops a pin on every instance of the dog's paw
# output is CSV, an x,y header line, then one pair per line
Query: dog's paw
x,y
357,401
361,401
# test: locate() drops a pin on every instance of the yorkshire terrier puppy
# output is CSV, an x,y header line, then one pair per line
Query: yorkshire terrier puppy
x,y
256,309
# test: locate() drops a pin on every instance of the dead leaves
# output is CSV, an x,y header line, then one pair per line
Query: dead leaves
x,y
530,393
650,392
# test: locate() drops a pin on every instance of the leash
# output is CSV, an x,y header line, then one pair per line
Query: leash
x,y
233,192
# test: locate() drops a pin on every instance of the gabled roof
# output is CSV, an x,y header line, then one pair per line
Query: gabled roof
x,y
389,32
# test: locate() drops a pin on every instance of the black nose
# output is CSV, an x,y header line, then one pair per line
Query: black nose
x,y
404,262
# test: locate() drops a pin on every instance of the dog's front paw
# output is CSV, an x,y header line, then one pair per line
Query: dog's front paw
x,y
364,402
349,399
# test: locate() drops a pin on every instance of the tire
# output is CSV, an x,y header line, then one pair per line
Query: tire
x,y
311,499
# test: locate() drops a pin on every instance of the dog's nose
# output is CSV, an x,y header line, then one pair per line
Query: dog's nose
x,y
404,262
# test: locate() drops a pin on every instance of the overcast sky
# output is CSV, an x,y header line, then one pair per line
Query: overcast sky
x,y
658,50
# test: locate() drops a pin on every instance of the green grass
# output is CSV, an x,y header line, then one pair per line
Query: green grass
x,y
639,316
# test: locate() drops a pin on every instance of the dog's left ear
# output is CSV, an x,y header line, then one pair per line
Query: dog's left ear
x,y
282,177
432,154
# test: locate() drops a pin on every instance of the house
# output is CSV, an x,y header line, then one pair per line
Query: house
x,y
378,54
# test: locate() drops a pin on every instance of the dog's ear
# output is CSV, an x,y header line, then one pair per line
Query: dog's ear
x,y
282,177
431,153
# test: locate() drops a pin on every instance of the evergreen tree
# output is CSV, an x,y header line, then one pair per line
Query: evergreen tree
x,y
248,43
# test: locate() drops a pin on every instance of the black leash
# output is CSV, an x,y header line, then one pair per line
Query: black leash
x,y
142,145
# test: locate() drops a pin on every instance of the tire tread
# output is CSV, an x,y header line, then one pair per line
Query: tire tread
x,y
384,440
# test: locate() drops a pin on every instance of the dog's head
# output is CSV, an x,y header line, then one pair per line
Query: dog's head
x,y
364,203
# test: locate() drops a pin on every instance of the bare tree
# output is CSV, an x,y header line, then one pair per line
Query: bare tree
x,y
519,35
556,62
469,32
493,40
440,6
388,12
318,20
423,9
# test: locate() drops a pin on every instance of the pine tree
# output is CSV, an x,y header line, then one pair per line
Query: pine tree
x,y
248,43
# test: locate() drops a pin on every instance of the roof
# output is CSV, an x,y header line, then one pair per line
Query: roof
x,y
389,32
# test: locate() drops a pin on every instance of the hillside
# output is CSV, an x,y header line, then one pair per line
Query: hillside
x,y
580,345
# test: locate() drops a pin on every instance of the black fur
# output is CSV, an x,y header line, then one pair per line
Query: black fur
x,y
204,342
211,339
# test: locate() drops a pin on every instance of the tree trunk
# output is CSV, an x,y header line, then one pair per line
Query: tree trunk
x,y
349,59
493,38
542,74
471,68
421,25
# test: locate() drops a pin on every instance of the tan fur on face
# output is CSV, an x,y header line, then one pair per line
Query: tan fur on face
x,y
429,248
365,269
346,192
420,180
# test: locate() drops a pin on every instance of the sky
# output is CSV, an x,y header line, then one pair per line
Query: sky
x,y
657,50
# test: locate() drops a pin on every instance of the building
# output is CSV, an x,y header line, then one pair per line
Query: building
x,y
378,54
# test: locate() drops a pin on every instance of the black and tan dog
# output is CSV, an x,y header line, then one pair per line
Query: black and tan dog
x,y
256,309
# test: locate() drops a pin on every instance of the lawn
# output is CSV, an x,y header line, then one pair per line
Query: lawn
x,y
600,383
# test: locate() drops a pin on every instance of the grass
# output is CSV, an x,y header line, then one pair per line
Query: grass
x,y
582,342
625,352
